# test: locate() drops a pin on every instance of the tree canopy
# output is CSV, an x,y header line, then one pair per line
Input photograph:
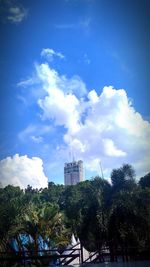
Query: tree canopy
x,y
98,213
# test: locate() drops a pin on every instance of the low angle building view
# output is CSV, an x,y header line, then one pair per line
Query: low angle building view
x,y
73,172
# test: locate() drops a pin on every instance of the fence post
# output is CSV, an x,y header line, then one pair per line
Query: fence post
x,y
81,249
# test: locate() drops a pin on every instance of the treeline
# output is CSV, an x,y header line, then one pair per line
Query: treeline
x,y
100,214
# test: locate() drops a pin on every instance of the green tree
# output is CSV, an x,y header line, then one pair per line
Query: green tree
x,y
10,208
129,225
145,181
85,207
123,178
44,223
53,193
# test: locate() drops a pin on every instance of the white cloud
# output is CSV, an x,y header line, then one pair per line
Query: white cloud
x,y
112,132
111,150
51,80
93,97
34,132
60,104
97,127
26,83
37,139
63,109
21,171
49,54
16,14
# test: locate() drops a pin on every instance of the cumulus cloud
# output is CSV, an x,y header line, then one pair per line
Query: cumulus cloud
x,y
51,80
49,54
61,103
98,127
21,171
113,132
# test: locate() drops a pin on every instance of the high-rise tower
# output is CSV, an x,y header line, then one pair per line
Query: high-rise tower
x,y
73,172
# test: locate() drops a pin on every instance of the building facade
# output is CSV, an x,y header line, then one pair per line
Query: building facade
x,y
73,172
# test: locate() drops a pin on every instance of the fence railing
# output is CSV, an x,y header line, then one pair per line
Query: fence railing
x,y
53,256
76,252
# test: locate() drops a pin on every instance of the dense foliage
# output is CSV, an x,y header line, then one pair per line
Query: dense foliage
x,y
100,214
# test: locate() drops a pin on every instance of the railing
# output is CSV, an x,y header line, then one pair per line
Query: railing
x,y
75,252
72,255
53,256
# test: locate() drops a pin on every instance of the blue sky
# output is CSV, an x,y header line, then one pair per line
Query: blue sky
x,y
62,67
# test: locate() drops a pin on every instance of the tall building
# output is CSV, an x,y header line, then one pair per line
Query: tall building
x,y
73,172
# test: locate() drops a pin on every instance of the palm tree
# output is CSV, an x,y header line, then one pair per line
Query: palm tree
x,y
44,225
